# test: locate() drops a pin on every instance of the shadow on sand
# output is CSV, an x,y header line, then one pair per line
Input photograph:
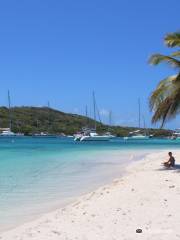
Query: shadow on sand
x,y
175,168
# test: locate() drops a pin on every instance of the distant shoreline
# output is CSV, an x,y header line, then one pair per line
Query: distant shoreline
x,y
34,120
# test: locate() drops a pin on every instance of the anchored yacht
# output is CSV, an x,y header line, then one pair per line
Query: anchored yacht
x,y
88,134
7,132
136,135
176,134
91,135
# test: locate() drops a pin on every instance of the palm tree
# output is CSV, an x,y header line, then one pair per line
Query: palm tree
x,y
165,99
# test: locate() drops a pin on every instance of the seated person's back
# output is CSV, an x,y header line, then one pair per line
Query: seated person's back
x,y
171,161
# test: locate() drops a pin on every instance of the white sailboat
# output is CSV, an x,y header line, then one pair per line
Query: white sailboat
x,y
108,133
137,135
91,134
176,134
6,132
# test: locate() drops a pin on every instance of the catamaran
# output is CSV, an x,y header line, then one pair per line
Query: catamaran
x,y
89,134
176,134
137,135
6,132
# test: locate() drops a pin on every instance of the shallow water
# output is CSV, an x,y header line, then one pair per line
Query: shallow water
x,y
40,174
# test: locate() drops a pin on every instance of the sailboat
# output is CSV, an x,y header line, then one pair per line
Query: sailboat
x,y
108,133
176,134
7,131
137,135
44,134
91,134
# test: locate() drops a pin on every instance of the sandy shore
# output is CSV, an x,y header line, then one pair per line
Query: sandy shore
x,y
147,198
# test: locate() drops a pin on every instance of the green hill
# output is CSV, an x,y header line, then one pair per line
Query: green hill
x,y
43,119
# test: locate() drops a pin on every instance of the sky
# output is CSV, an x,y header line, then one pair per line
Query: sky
x,y
62,51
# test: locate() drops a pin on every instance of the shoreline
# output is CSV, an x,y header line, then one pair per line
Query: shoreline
x,y
104,166
115,209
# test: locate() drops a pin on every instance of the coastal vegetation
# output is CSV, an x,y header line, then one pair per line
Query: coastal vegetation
x,y
30,120
165,99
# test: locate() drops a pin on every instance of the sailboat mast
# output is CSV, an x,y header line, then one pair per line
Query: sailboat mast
x,y
139,116
86,114
94,106
110,118
144,122
48,105
9,106
86,111
144,125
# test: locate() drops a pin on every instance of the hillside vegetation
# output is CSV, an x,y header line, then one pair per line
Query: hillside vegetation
x,y
31,120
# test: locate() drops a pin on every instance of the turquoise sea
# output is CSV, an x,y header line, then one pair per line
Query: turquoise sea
x,y
38,175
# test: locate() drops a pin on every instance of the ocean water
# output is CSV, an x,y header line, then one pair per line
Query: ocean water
x,y
38,175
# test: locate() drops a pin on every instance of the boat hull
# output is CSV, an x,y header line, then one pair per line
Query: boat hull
x,y
95,138
137,138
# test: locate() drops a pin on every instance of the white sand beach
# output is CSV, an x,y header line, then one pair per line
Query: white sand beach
x,y
146,198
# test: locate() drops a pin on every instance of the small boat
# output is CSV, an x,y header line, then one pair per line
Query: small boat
x,y
95,137
109,134
91,135
42,134
136,135
7,133
78,136
88,134
176,134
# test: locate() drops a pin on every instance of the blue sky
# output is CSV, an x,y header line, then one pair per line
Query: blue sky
x,y
60,51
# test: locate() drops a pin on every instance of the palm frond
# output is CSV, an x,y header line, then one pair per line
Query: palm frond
x,y
156,59
176,78
165,100
175,54
162,111
173,39
161,92
167,109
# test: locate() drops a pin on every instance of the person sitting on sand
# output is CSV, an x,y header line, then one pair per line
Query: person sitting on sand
x,y
170,162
